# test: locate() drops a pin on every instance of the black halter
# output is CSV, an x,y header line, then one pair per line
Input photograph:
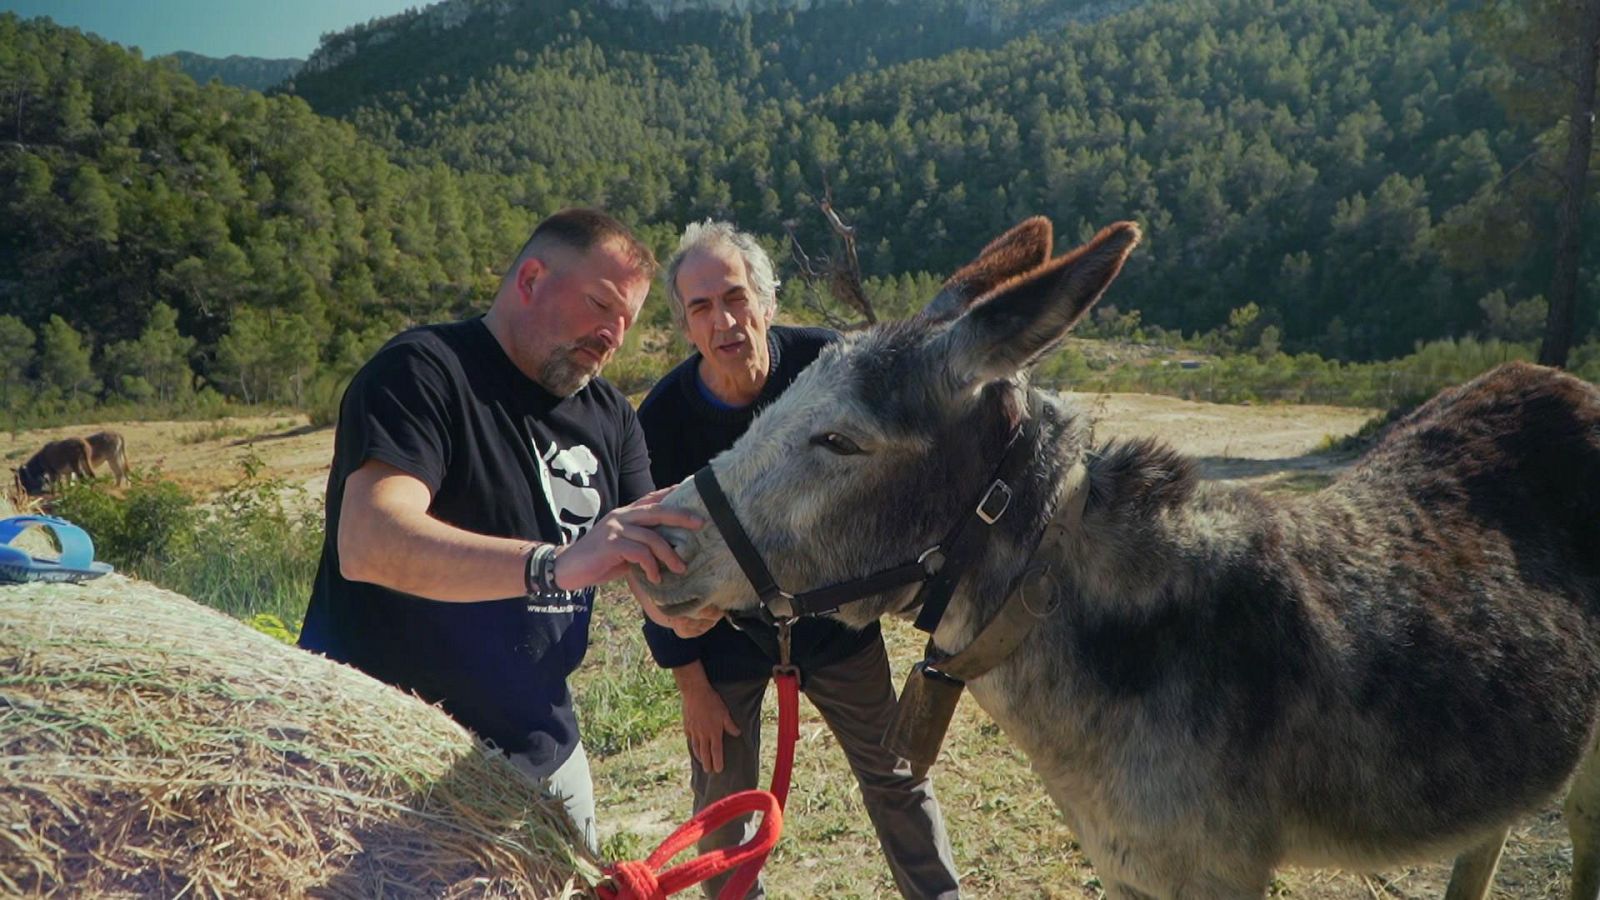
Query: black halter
x,y
939,568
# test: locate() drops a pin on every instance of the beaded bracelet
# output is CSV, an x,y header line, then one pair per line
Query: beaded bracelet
x,y
540,575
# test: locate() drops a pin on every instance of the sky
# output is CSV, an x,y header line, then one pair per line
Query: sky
x,y
275,29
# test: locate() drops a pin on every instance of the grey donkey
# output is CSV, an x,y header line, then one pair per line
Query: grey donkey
x,y
1220,682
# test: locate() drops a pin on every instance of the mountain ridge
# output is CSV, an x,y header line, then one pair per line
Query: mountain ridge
x,y
255,72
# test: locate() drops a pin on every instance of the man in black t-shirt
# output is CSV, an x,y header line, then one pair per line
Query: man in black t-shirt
x,y
479,489
724,297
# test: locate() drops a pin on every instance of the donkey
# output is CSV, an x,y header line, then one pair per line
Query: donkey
x,y
55,463
1219,682
108,447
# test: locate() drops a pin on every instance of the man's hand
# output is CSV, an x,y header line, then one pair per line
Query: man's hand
x,y
690,626
624,538
705,716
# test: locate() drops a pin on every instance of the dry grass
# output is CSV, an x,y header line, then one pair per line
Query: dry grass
x,y
152,747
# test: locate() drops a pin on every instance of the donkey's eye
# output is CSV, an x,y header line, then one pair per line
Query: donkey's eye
x,y
837,443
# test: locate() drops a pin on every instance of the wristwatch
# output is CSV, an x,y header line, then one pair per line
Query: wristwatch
x,y
540,576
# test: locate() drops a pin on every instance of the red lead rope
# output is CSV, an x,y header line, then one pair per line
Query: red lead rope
x,y
641,881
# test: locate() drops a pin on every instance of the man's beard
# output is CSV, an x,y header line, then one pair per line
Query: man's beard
x,y
564,373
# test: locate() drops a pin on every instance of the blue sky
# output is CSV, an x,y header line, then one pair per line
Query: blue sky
x,y
274,28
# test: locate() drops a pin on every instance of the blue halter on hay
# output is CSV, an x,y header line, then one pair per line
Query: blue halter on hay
x,y
76,562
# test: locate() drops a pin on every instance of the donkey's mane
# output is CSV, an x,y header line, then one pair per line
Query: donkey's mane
x,y
1141,475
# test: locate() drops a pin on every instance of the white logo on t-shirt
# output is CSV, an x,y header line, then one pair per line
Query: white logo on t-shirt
x,y
565,476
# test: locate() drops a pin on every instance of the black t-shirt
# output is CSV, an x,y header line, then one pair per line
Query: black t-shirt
x,y
503,457
685,429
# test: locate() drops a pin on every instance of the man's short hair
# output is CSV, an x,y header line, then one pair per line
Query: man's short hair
x,y
580,229
713,236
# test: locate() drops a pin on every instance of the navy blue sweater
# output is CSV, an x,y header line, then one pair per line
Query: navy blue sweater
x,y
684,430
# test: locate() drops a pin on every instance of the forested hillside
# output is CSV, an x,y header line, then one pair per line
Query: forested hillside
x,y
1342,164
279,238
1344,169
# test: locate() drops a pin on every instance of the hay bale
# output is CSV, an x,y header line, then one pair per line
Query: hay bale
x,y
150,746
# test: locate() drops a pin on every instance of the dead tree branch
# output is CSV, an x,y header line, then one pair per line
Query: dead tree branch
x,y
811,273
840,270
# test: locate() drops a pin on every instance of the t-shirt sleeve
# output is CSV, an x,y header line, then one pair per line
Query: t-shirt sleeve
x,y
398,411
633,479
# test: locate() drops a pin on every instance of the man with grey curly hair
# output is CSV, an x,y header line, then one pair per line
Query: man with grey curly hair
x,y
724,299
715,237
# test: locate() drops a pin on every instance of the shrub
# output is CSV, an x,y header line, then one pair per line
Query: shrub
x,y
1276,377
248,552
149,527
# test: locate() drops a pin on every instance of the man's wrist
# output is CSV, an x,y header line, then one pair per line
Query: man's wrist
x,y
691,677
555,567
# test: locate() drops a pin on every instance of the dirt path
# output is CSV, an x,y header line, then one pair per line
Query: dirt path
x,y
1265,443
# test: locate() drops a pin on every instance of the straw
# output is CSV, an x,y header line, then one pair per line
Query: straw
x,y
150,746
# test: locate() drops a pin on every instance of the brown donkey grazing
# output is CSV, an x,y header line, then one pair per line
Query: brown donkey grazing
x,y
109,448
1218,682
55,463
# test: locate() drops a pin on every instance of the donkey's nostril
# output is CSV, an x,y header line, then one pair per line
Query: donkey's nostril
x,y
682,543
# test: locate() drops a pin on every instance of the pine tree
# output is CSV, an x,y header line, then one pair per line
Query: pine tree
x,y
64,362
16,355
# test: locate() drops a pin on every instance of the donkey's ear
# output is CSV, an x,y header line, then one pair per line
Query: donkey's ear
x,y
1024,248
1006,330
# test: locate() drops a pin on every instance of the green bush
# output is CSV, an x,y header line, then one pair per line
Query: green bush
x,y
150,526
640,362
247,552
1257,377
323,397
254,552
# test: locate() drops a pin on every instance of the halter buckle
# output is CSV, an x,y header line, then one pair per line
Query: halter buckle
x,y
996,500
785,659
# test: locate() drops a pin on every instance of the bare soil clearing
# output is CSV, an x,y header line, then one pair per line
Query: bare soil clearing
x,y
1230,441
204,456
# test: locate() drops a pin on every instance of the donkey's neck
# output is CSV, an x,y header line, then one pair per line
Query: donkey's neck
x,y
1056,443
1145,521
1141,495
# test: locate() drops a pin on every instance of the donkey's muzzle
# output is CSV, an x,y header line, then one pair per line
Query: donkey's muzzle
x,y
922,717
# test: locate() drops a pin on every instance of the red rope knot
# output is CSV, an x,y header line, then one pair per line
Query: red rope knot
x,y
639,881
634,879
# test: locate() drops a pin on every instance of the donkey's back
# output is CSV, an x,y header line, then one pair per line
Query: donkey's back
x,y
1517,451
1392,669
1450,588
